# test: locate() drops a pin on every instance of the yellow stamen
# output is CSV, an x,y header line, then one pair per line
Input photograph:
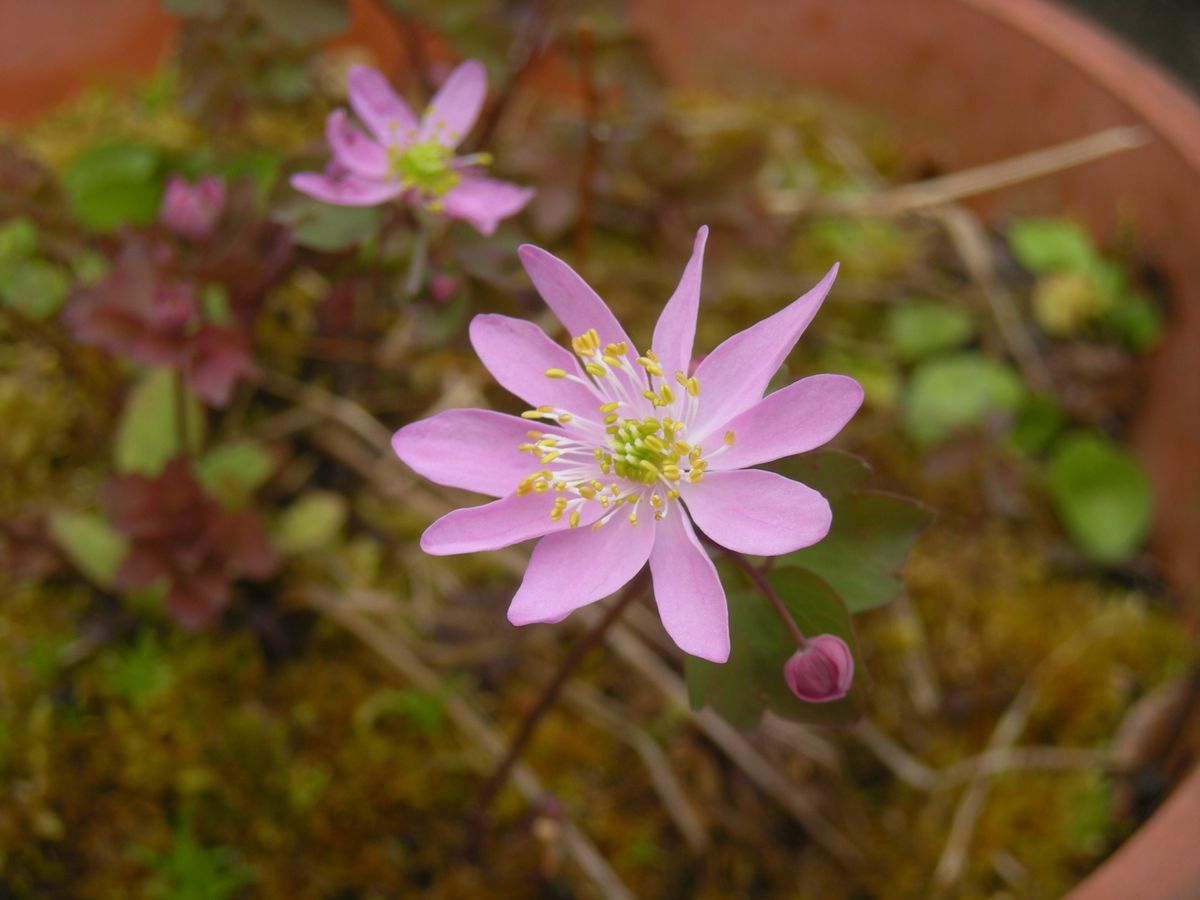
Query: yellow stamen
x,y
729,438
556,373
574,518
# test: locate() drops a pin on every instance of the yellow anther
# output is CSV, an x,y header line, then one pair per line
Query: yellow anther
x,y
682,448
574,518
696,476
527,448
609,407
548,442
648,466
681,377
668,395
564,418
654,443
597,525
611,360
652,355
700,465
555,514
560,502
693,386
556,373
672,494
538,413
729,438
604,502
616,349
560,485
610,418
633,518
671,473
534,435
540,487
651,396
656,501
587,491
550,457
595,369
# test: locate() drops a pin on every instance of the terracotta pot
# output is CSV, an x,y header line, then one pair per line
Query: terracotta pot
x,y
51,49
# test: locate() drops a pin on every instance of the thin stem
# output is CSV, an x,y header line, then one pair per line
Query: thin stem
x,y
545,703
416,262
769,592
181,413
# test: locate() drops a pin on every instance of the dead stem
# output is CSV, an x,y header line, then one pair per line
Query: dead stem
x,y
545,702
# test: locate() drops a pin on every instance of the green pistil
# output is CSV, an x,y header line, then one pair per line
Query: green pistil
x,y
425,166
641,451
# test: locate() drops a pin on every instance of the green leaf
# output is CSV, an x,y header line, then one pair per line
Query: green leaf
x,y
34,287
90,543
312,523
1101,494
138,673
113,184
233,471
752,680
18,239
147,434
322,226
301,22
1038,421
1136,320
1044,246
922,328
952,393
871,536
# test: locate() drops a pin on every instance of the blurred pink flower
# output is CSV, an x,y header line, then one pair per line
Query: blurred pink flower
x,y
192,210
139,312
822,671
410,159
181,536
631,451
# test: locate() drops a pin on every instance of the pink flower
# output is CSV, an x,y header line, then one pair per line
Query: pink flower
x,y
623,452
821,672
192,210
410,159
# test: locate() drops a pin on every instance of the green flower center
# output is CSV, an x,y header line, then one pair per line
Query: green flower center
x,y
642,450
426,166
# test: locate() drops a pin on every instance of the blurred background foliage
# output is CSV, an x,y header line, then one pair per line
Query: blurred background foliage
x,y
240,717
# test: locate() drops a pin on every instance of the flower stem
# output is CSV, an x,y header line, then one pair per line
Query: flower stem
x,y
763,585
181,414
544,704
416,262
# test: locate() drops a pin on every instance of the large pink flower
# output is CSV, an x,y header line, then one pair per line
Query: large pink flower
x,y
623,452
411,159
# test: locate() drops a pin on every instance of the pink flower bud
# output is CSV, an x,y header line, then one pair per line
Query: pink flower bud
x,y
192,210
442,287
821,672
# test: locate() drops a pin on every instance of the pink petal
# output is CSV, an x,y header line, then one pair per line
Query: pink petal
x,y
793,420
757,512
575,304
346,190
691,601
472,449
676,329
352,149
485,201
734,376
500,523
518,353
381,109
455,106
577,567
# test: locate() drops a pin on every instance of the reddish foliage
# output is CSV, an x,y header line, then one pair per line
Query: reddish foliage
x,y
179,533
139,311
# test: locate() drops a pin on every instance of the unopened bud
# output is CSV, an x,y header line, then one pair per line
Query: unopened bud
x,y
192,210
443,287
822,672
